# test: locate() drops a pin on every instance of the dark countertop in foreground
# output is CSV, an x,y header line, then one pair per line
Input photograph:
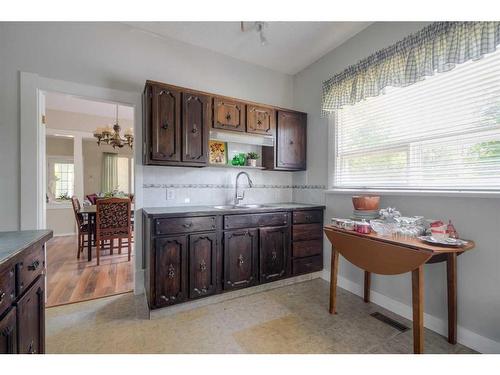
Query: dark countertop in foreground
x,y
12,243
210,210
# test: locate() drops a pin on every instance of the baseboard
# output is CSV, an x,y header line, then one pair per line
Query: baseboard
x,y
64,234
464,336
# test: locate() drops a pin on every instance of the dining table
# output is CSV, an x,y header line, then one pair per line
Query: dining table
x,y
90,212
384,255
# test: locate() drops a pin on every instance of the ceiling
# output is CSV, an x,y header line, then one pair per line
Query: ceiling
x,y
291,46
69,103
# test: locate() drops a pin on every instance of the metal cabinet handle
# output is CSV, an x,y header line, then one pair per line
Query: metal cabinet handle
x,y
195,129
31,348
34,265
203,266
171,271
165,125
259,122
240,260
290,142
187,225
2,295
274,255
228,116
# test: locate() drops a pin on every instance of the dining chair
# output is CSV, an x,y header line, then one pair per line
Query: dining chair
x,y
113,221
81,226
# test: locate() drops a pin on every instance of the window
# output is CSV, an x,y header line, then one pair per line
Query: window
x,y
64,173
440,133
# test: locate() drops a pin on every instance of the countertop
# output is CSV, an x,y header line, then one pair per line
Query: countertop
x,y
210,210
12,243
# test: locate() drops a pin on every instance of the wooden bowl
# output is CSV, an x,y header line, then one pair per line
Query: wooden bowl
x,y
366,202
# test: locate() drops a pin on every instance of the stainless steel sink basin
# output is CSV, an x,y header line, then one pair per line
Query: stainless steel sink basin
x,y
238,207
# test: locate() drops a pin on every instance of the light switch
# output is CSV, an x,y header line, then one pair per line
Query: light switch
x,y
170,194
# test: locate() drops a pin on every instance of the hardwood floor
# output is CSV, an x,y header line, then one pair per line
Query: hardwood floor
x,y
73,280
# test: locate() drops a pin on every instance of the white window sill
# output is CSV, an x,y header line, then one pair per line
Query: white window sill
x,y
59,206
418,193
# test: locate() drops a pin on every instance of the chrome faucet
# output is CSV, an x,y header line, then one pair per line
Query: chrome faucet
x,y
238,197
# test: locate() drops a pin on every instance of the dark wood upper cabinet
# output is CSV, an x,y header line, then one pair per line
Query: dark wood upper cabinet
x,y
261,120
273,253
240,258
177,123
165,124
8,333
289,152
171,283
202,264
31,320
229,115
195,128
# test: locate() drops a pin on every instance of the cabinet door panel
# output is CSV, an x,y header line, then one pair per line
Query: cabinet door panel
x,y
171,270
261,120
8,333
202,264
166,124
229,115
291,140
240,258
31,320
273,253
196,119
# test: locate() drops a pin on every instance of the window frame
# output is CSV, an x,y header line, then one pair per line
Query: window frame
x,y
51,161
385,191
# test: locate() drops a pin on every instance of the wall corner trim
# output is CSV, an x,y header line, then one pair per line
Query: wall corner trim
x,y
465,337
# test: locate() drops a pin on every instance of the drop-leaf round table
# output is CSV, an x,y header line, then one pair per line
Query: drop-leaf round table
x,y
389,256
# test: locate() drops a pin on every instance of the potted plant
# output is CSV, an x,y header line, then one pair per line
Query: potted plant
x,y
252,159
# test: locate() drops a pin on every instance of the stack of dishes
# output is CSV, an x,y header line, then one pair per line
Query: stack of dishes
x,y
365,214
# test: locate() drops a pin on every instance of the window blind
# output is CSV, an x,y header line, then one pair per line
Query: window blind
x,y
439,133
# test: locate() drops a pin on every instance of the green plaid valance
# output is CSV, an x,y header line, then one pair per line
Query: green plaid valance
x,y
436,48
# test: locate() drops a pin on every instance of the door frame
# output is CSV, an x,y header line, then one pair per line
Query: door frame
x,y
32,151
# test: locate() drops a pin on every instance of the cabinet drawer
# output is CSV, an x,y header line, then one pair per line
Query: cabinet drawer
x,y
306,265
7,288
184,224
307,248
255,220
306,217
307,232
30,268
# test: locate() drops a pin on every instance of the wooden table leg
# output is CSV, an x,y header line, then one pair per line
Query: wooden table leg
x,y
90,235
333,281
451,275
417,281
367,286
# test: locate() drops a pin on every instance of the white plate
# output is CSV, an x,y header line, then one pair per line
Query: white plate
x,y
446,242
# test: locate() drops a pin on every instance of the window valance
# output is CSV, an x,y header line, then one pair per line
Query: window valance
x,y
436,48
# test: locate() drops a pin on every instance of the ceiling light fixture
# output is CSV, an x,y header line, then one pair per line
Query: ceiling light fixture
x,y
258,26
111,136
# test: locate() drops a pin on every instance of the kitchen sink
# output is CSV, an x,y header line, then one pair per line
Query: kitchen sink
x,y
238,207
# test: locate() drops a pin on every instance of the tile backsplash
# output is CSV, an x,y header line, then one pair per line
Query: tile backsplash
x,y
211,186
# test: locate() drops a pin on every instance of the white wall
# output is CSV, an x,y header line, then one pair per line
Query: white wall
x,y
475,218
110,55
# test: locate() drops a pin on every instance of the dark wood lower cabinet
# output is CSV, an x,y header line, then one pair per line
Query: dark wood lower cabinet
x,y
31,319
240,258
273,253
171,277
192,256
8,333
202,264
22,292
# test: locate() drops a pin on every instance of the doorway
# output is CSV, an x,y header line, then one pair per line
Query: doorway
x,y
36,132
78,169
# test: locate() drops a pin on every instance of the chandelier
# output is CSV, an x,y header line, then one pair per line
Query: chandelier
x,y
111,135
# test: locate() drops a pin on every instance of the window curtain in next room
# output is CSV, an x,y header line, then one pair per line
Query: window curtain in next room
x,y
109,180
436,48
